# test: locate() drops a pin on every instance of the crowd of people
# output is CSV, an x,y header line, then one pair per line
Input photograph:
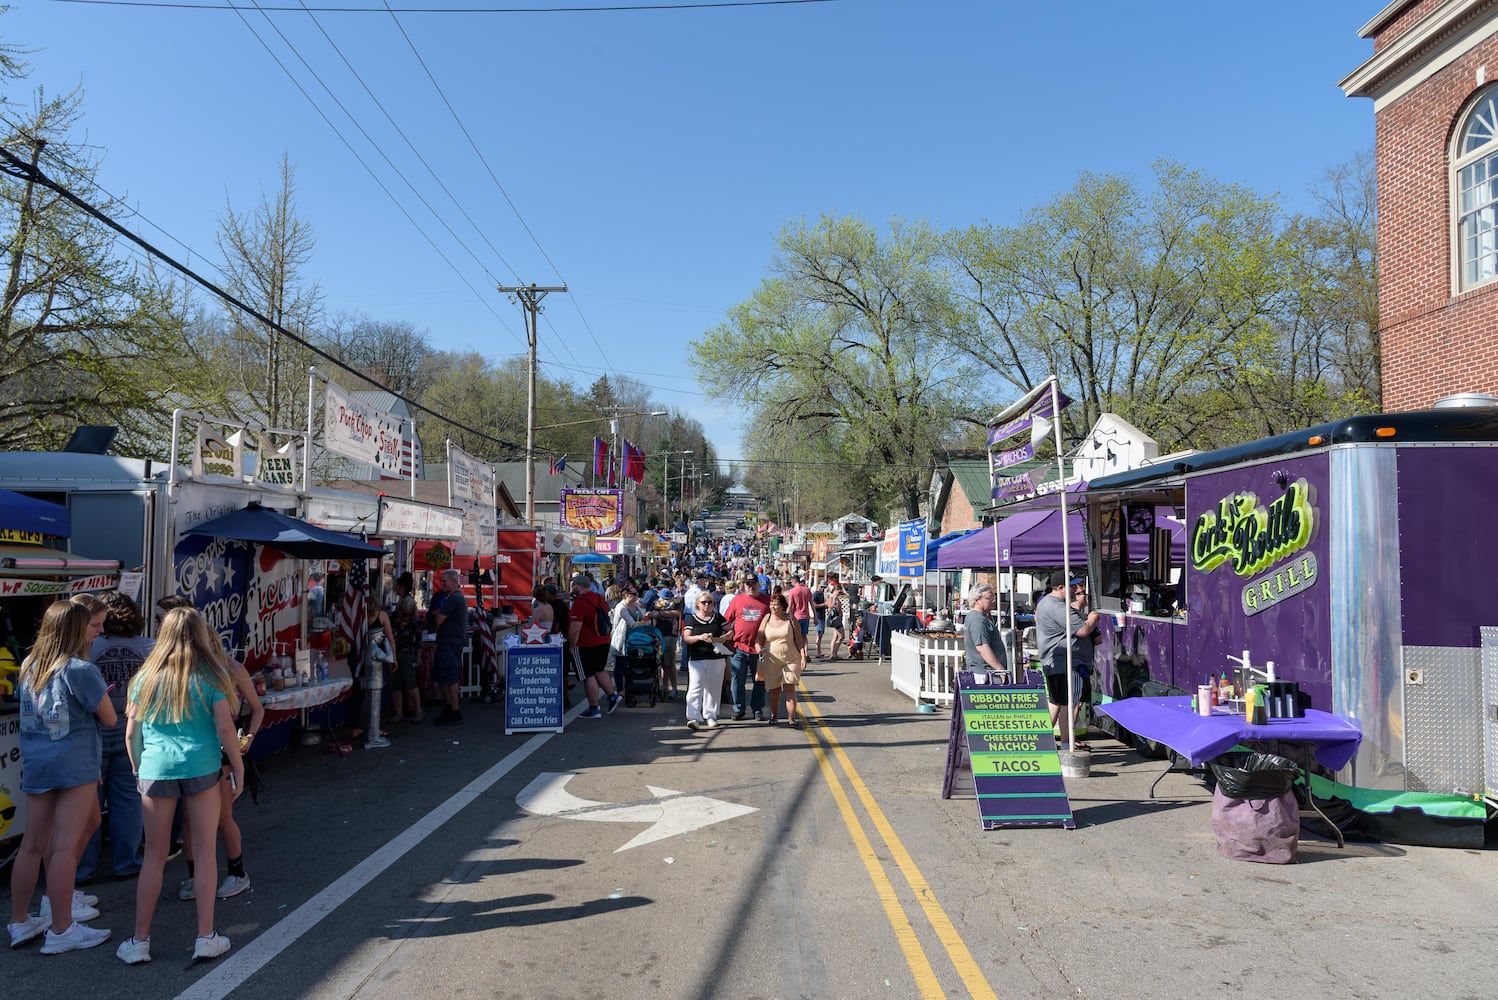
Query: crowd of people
x,y
738,635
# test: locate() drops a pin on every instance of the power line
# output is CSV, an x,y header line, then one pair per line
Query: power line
x,y
458,120
367,169
602,9
20,168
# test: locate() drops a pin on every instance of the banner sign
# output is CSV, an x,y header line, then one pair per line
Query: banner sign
x,y
271,617
912,548
1014,456
212,573
213,455
599,511
1004,733
361,432
12,536
13,805
533,689
41,588
889,554
276,466
409,519
470,488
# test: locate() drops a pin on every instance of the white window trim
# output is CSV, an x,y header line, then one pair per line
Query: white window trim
x,y
1455,162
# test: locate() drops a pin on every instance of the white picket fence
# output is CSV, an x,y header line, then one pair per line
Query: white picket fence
x,y
924,667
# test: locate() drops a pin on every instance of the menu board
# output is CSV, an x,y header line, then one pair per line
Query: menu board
x,y
1005,734
533,689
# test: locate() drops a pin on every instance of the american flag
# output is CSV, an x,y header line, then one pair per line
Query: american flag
x,y
558,465
490,667
351,611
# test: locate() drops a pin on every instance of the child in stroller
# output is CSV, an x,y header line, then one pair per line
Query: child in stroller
x,y
642,664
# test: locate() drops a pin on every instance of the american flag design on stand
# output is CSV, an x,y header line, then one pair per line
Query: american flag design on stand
x,y
351,622
490,666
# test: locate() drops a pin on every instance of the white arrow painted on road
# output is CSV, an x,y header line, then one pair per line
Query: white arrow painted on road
x,y
670,813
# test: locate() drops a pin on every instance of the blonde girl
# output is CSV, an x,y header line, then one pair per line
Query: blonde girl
x,y
179,724
63,699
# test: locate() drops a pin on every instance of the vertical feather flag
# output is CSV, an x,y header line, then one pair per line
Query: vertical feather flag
x,y
351,612
613,472
639,470
600,457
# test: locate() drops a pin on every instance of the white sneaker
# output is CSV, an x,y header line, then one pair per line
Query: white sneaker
x,y
694,725
184,891
133,952
75,938
27,930
712,724
233,885
82,910
88,900
211,946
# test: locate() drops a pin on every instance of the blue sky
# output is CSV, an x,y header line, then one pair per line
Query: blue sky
x,y
655,154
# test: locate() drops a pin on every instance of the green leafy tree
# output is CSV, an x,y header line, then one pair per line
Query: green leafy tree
x,y
847,340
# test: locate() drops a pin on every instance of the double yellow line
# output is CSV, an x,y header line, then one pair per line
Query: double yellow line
x,y
822,741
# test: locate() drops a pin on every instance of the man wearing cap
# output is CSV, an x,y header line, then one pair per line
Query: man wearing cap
x,y
590,645
744,614
1060,624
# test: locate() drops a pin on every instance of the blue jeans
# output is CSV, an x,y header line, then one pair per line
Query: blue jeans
x,y
125,832
741,669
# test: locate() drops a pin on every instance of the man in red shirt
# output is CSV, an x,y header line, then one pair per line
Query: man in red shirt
x,y
799,599
590,645
744,613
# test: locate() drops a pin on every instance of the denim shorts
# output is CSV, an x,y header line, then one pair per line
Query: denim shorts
x,y
177,788
447,663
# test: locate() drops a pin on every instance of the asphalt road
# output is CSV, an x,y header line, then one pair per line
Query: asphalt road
x,y
412,872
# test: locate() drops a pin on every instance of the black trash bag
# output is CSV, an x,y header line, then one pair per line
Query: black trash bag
x,y
1254,775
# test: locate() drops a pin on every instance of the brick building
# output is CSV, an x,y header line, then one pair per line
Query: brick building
x,y
1433,79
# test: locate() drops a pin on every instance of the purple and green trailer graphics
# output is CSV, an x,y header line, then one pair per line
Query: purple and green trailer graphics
x,y
1359,558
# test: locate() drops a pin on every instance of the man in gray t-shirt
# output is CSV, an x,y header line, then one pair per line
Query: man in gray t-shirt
x,y
1057,625
983,649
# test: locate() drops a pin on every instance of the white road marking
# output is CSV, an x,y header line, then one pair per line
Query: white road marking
x,y
670,813
244,962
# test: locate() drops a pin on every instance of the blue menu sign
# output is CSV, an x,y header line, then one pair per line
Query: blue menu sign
x,y
533,689
1004,734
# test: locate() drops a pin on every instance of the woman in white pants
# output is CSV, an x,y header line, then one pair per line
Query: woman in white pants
x,y
700,631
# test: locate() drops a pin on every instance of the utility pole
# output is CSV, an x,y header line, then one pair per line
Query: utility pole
x,y
530,297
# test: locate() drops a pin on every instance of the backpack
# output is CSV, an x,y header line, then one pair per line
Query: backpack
x,y
602,623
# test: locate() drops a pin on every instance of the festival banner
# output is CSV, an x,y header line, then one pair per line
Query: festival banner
x,y
42,588
271,617
889,554
470,487
213,455
212,573
599,511
276,466
361,432
409,519
912,548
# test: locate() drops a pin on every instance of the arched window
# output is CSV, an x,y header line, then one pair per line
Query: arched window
x,y
1475,160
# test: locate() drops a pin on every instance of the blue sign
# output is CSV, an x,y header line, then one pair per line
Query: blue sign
x,y
533,689
912,548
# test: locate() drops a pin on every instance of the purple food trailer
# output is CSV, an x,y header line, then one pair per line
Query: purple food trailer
x,y
1357,556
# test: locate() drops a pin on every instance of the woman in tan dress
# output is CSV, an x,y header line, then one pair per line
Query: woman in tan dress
x,y
782,657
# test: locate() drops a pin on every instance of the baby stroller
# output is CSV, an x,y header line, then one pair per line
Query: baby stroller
x,y
642,664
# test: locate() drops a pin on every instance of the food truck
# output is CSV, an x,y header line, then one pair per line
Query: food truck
x,y
1357,557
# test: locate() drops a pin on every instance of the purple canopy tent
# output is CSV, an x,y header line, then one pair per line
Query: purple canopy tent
x,y
1032,540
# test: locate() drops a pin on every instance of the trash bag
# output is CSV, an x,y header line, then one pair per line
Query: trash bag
x,y
1254,775
1265,830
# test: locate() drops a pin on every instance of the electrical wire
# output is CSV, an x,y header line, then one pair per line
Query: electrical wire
x,y
477,152
20,168
601,9
367,169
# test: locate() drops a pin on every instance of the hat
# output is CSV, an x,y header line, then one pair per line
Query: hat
x,y
1078,579
1056,579
581,580
666,594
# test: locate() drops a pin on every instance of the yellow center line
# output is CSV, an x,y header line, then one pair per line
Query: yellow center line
x,y
957,950
915,955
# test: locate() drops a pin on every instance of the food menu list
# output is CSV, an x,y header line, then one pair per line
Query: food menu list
x,y
533,689
1006,735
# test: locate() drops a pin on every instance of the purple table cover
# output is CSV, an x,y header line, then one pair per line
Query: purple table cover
x,y
1199,738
